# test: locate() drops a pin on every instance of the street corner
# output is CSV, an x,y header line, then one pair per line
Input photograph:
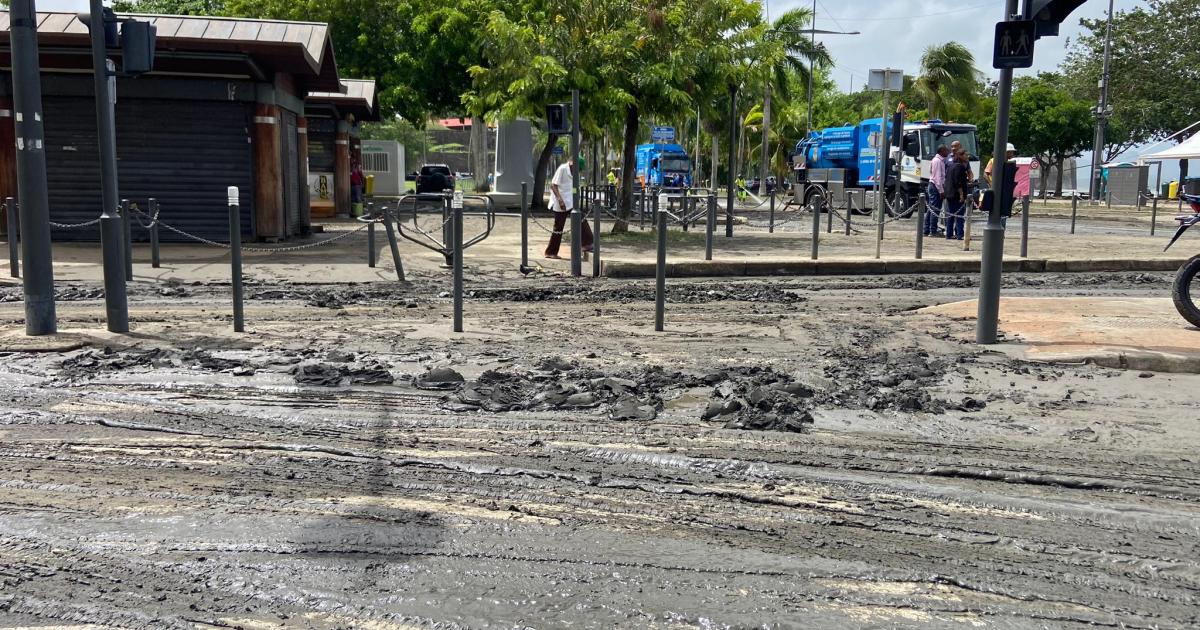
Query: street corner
x,y
1127,333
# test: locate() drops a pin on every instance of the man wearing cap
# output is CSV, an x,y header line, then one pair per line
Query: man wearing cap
x,y
562,201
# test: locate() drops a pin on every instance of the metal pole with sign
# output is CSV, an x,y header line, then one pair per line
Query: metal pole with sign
x,y
883,80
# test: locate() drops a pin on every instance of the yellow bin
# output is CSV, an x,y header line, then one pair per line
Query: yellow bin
x,y
370,192
1173,190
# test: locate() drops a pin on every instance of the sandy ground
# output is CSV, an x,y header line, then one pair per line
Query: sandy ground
x,y
789,453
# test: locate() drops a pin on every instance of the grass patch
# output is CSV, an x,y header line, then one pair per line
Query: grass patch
x,y
639,238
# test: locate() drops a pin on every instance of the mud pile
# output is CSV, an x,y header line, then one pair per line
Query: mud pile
x,y
890,380
91,362
759,399
323,374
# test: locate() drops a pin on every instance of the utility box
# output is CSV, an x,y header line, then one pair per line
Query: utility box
x,y
1127,184
383,160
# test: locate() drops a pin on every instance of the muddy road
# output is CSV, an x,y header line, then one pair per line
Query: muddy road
x,y
799,452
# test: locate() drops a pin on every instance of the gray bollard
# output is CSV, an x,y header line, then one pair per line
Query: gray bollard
x,y
371,235
654,209
709,225
683,209
1074,209
1153,214
1025,226
660,273
235,258
576,239
818,204
155,259
458,268
920,225
524,226
879,224
597,210
391,235
447,230
849,209
829,218
127,218
116,305
641,200
771,219
14,234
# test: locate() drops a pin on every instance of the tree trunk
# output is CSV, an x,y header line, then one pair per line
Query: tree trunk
x,y
628,164
764,162
480,152
1058,184
539,175
716,150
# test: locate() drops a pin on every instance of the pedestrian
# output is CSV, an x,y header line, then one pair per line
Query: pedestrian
x,y
1010,182
357,180
957,181
562,201
612,177
935,192
1010,152
740,182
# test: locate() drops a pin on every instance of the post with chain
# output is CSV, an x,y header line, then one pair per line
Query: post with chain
x,y
391,235
1074,210
371,235
1153,214
660,273
458,263
447,228
235,258
849,197
1025,226
818,203
127,239
920,225
829,214
14,234
771,216
155,259
710,224
683,209
524,227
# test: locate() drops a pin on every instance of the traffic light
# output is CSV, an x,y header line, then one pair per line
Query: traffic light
x,y
1048,14
557,120
137,46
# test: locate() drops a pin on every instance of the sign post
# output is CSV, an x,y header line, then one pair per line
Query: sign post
x,y
1013,47
662,134
883,80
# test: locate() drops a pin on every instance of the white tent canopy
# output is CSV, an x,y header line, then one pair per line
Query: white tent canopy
x,y
1187,150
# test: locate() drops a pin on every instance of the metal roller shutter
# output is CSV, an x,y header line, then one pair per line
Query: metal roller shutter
x,y
184,153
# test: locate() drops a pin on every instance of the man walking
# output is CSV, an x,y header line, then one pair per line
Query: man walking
x,y
562,201
956,195
935,191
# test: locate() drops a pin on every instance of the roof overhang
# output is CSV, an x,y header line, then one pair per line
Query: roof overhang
x,y
356,97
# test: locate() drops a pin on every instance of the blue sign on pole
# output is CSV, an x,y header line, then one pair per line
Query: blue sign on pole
x,y
557,150
662,134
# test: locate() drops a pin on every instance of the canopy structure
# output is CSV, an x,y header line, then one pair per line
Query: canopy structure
x,y
1187,150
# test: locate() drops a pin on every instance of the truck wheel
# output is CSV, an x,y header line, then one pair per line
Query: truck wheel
x,y
1186,291
900,206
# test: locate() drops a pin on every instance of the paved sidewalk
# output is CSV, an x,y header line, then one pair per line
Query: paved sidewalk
x,y
1131,333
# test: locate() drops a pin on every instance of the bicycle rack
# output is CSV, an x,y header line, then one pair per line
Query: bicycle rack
x,y
407,223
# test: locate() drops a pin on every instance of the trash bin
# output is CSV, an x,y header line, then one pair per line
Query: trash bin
x,y
1191,185
370,186
1164,191
1172,190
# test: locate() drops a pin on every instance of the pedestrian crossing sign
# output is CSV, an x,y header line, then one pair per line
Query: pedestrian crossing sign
x,y
1014,44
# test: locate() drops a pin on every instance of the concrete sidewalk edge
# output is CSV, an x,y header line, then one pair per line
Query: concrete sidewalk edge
x,y
798,267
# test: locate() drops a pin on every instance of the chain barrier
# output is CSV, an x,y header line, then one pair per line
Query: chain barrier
x,y
75,226
261,250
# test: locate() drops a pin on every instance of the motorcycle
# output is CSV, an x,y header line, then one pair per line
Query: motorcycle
x,y
1186,290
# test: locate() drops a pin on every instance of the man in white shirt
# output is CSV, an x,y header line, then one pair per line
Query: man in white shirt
x,y
562,201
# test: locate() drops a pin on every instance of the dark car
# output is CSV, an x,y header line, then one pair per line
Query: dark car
x,y
434,178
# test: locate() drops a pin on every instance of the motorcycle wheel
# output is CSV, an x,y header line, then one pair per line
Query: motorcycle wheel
x,y
1186,291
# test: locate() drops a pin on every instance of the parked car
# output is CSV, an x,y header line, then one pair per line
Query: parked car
x,y
434,178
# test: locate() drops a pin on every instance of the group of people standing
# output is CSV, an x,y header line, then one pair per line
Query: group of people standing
x,y
950,180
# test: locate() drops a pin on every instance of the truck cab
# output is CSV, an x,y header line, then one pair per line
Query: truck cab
x,y
921,140
658,164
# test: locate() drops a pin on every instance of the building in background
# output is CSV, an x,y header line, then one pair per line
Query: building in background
x,y
333,143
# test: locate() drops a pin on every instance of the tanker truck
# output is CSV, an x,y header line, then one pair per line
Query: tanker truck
x,y
842,161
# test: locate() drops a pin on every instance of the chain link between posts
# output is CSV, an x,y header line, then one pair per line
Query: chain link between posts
x,y
261,250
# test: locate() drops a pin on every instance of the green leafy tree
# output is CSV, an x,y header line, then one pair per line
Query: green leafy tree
x,y
1048,123
949,80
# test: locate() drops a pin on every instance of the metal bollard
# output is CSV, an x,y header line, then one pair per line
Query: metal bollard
x,y
127,217
235,258
391,235
879,225
116,305
683,209
920,225
642,210
14,234
849,210
829,218
966,226
155,259
654,209
524,226
1025,226
710,219
447,231
576,240
660,273
1153,214
1074,208
458,268
597,210
371,235
771,220
818,204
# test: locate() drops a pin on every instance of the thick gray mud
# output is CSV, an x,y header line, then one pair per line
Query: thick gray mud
x,y
792,453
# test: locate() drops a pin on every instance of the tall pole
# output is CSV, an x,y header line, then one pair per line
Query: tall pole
x,y
812,40
576,214
993,234
1102,111
38,283
113,248
763,166
733,90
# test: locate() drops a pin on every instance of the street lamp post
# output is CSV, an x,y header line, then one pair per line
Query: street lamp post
x,y
1102,111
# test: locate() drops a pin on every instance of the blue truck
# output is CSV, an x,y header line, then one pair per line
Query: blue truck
x,y
846,157
658,164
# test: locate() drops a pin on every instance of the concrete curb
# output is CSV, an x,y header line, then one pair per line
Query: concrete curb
x,y
1126,359
735,268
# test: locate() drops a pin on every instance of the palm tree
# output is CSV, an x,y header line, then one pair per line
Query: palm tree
x,y
948,76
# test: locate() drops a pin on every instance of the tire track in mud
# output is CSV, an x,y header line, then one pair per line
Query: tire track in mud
x,y
232,502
